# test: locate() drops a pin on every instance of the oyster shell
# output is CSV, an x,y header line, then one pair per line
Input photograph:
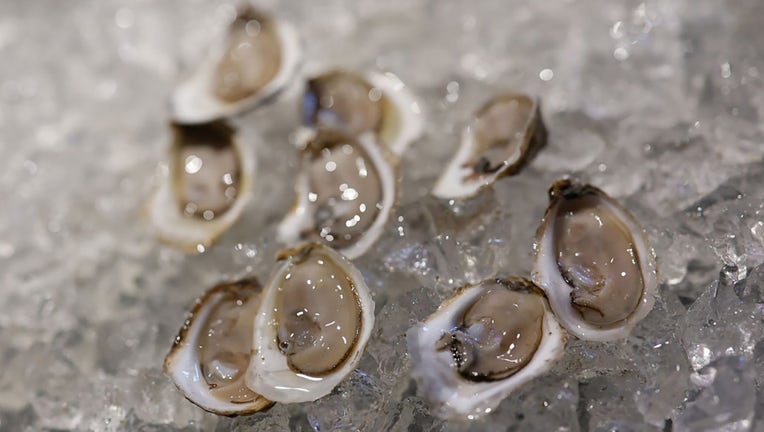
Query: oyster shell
x,y
208,186
505,132
345,192
312,327
594,262
373,102
255,61
483,343
211,353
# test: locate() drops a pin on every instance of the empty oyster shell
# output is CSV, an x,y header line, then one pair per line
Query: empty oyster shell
x,y
312,327
594,262
482,344
504,134
211,353
255,61
373,102
345,193
208,186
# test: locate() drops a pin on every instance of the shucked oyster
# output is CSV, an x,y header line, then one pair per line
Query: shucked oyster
x,y
209,183
378,103
482,344
346,191
594,263
256,60
211,353
505,132
312,327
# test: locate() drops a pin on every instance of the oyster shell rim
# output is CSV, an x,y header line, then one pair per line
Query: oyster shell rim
x,y
551,281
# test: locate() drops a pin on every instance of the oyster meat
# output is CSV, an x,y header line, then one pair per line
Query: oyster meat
x,y
594,262
377,103
312,327
503,135
345,193
209,183
482,344
211,353
255,61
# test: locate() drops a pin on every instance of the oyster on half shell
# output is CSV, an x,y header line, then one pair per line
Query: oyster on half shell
x,y
505,132
483,343
210,179
312,327
256,59
373,102
210,355
346,191
594,262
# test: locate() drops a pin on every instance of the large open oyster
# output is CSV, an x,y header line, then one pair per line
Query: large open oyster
x,y
209,183
211,353
594,263
255,61
505,132
373,102
345,192
312,327
482,344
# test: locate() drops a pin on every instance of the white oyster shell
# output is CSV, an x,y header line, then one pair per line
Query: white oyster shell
x,y
193,100
270,373
402,119
301,218
182,364
548,276
453,396
193,234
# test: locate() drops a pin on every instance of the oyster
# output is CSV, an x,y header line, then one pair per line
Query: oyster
x,y
482,344
503,135
211,353
312,326
346,191
257,59
209,183
356,104
594,263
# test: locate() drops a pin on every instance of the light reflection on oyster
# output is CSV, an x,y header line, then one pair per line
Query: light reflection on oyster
x,y
312,327
483,343
211,353
504,134
594,263
377,103
255,61
345,193
208,186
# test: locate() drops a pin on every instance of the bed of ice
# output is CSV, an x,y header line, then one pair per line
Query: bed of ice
x,y
657,102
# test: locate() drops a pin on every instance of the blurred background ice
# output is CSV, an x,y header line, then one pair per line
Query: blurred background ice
x,y
658,102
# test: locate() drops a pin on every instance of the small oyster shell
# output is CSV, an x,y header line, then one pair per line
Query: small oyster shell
x,y
504,134
346,191
482,344
211,353
359,103
312,326
209,184
594,262
255,61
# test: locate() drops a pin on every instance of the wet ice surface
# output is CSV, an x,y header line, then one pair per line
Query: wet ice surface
x,y
658,103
